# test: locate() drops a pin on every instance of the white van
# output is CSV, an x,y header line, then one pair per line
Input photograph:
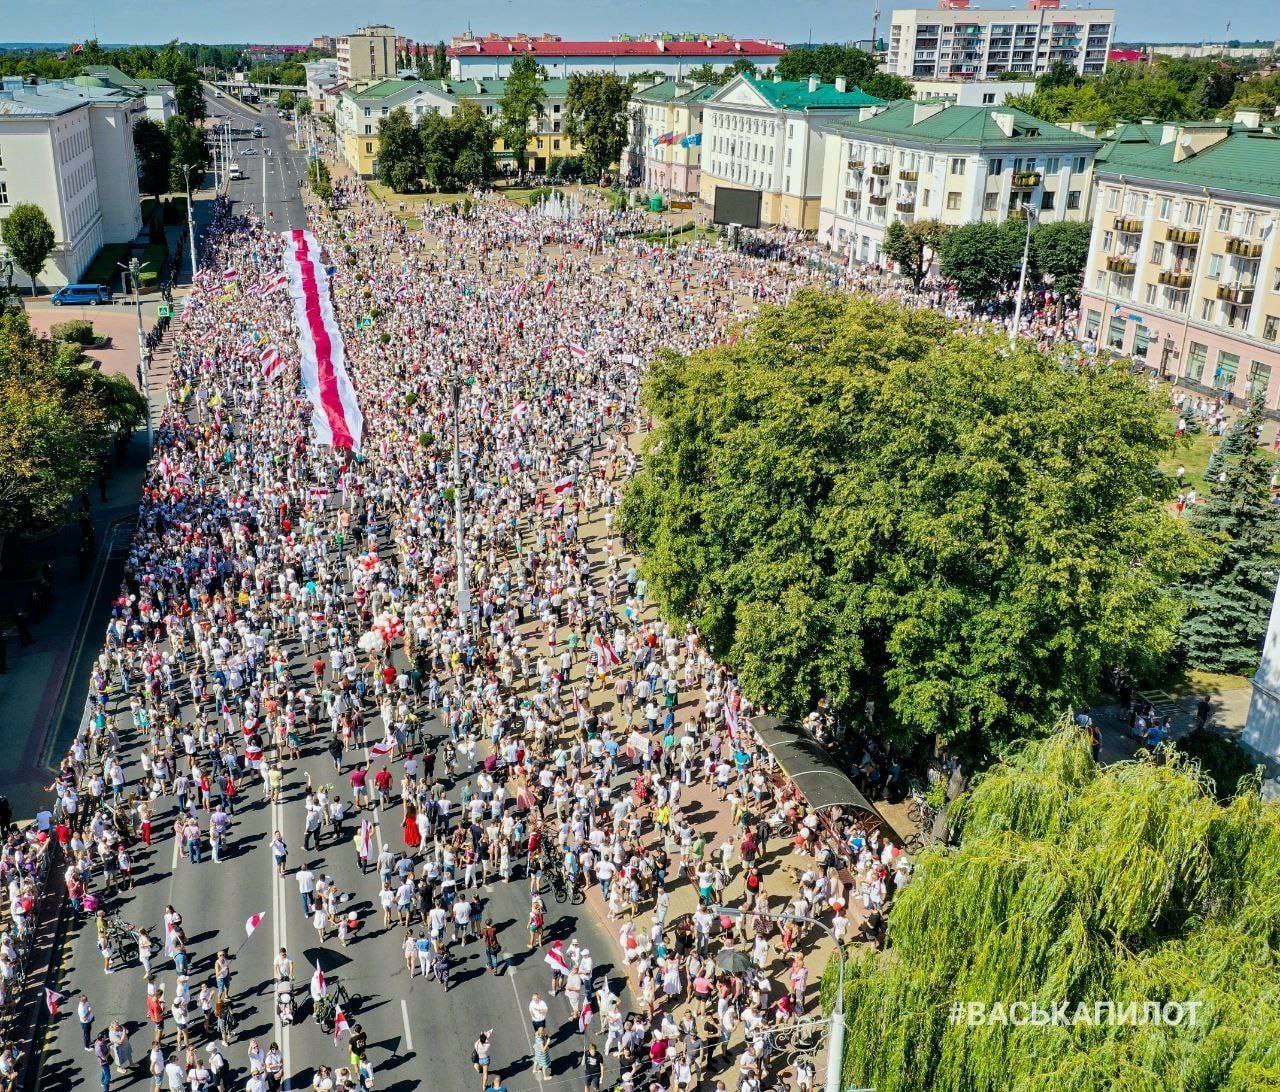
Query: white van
x,y
235,174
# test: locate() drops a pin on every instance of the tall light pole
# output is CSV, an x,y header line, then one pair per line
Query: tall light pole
x,y
835,1040
464,590
191,223
134,269
262,158
1030,214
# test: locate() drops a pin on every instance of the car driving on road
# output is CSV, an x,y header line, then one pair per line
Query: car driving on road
x,y
91,294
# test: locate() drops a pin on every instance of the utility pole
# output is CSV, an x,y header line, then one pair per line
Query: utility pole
x,y
1030,214
263,159
464,590
191,223
134,270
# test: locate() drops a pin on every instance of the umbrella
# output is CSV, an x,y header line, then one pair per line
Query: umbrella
x,y
733,961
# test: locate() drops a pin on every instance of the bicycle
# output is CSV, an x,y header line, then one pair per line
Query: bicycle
x,y
326,1008
558,886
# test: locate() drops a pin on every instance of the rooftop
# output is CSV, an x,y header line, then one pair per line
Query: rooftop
x,y
48,98
464,89
704,48
675,91
795,95
963,125
1246,161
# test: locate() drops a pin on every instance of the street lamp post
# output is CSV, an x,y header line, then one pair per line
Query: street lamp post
x,y
191,223
1030,214
835,1041
464,591
134,269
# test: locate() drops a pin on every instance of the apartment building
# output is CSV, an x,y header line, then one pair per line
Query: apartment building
x,y
159,96
68,147
956,92
323,84
368,54
761,134
1184,271
664,151
492,55
958,164
360,110
956,41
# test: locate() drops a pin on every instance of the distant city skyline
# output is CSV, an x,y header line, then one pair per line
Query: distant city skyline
x,y
296,21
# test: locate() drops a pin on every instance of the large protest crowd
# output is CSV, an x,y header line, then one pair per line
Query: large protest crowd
x,y
285,599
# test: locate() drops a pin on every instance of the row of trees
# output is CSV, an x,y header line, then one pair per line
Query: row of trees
x,y
162,150
440,152
56,415
827,62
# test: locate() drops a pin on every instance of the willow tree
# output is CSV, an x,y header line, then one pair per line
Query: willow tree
x,y
1077,884
862,502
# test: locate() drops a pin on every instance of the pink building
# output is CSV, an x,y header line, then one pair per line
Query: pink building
x,y
664,152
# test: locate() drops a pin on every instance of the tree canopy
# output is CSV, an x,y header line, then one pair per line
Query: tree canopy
x,y
29,237
154,155
596,118
1078,884
862,502
522,104
858,67
914,246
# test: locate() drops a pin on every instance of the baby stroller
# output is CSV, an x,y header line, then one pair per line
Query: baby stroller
x,y
284,1001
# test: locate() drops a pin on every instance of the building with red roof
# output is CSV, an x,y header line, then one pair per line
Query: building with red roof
x,y
490,57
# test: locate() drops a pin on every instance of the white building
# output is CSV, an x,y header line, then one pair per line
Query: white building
x,y
323,84
159,96
970,92
69,149
957,164
491,57
956,41
761,135
1262,728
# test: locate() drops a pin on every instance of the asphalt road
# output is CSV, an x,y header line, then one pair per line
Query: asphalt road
x,y
420,1037
284,167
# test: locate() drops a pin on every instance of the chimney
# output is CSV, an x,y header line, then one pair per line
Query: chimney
x,y
11,84
1194,140
1250,119
814,83
1168,134
1004,122
922,110
842,84
777,76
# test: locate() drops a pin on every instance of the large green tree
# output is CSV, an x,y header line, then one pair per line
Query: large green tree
x,y
858,68
400,163
1059,250
982,258
457,151
1230,596
596,118
155,156
863,502
1080,885
186,146
914,246
522,104
29,238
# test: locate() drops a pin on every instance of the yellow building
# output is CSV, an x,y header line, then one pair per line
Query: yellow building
x,y
360,111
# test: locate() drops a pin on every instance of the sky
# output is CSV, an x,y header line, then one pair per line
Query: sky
x,y
296,21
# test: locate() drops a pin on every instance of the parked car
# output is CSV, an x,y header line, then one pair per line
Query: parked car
x,y
91,294
248,151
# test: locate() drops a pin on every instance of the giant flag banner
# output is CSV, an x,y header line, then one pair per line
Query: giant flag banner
x,y
335,418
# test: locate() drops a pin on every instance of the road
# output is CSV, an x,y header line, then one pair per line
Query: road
x,y
411,1023
284,167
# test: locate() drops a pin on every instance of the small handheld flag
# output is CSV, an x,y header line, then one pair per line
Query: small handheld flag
x,y
340,1026
52,999
252,922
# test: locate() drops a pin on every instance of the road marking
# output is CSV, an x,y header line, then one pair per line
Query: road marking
x,y
279,902
404,1014
528,1035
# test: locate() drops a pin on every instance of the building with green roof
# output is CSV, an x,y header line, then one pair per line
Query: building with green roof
x,y
762,151
664,147
160,96
909,161
1184,268
361,108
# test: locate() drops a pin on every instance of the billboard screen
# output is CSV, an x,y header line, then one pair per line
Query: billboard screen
x,y
737,207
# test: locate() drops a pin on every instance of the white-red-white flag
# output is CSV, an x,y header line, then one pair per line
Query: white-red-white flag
x,y
230,274
555,959
520,410
274,285
585,1017
319,987
383,748
340,1026
272,362
252,922
563,486
52,999
577,350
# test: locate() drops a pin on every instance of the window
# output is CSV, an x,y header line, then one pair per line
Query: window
x,y
1275,279
1141,340
1248,221
1259,378
1078,167
1215,266
1108,237
1224,219
1206,309
989,202
1,158
1193,214
368,130
4,193
1115,332
1100,280
368,147
996,166
556,144
1149,294
1197,355
1113,200
1053,164
929,164
1092,324
1157,252
368,112
1270,325
555,109
953,199
1046,199
957,167
1073,199
1224,375
988,98
1163,211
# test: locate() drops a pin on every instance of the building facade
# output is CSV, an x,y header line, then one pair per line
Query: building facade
x,y
159,96
490,57
360,110
762,134
970,92
958,164
323,83
68,148
368,54
1184,270
956,41
664,150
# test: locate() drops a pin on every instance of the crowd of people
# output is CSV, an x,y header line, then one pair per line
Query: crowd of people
x,y
284,600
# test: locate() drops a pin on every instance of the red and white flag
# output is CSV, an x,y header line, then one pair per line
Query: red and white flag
x,y
555,959
520,410
381,750
610,656
252,922
551,287
318,494
230,274
319,987
340,1026
275,284
52,999
577,350
585,1017
182,478
563,486
272,362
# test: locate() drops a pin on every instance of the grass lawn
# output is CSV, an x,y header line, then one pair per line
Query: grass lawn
x,y
1192,452
521,194
412,201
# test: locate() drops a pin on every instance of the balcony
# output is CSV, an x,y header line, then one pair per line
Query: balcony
x,y
1174,279
1239,294
855,164
1018,212
853,195
1130,225
1026,180
1183,236
905,206
879,200
1118,263
881,170
1243,248
909,176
